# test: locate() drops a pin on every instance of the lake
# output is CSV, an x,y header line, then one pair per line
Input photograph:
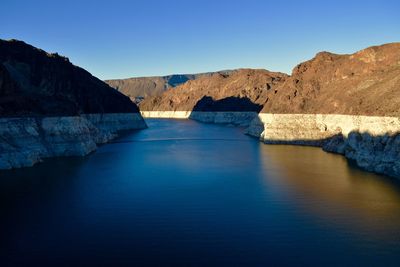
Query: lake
x,y
183,193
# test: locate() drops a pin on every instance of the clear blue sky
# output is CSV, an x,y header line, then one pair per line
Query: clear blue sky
x,y
118,39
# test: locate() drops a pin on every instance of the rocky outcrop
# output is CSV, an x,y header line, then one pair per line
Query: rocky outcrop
x,y
362,87
227,98
311,128
380,154
364,83
373,142
51,108
239,90
347,104
141,87
26,141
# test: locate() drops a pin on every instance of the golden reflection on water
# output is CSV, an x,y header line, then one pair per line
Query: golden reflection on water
x,y
325,186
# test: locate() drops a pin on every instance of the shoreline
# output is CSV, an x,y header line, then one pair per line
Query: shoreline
x,y
26,141
373,142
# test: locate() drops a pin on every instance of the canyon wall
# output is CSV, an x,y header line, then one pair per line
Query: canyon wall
x,y
25,141
304,108
52,108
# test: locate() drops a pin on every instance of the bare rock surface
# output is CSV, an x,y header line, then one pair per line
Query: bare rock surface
x,y
364,83
25,141
51,108
240,90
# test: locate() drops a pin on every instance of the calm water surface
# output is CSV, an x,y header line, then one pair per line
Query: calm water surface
x,y
182,193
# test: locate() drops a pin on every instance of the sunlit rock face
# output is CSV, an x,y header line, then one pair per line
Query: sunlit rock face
x,y
240,90
347,104
363,83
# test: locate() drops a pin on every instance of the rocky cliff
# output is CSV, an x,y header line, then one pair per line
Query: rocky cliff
x,y
218,98
362,87
49,107
364,83
348,104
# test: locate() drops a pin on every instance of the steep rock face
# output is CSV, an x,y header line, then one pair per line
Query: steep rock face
x,y
51,108
240,90
143,87
375,153
228,98
34,82
364,83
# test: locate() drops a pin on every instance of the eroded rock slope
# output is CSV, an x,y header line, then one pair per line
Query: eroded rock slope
x,y
49,107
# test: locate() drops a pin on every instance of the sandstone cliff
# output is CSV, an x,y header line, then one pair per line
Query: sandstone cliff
x,y
49,107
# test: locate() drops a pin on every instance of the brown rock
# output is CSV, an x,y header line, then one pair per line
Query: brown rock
x,y
364,83
237,88
142,87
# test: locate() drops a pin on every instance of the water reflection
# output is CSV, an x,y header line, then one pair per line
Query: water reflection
x,y
181,191
326,187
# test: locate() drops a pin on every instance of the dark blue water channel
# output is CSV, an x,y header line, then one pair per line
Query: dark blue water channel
x,y
182,193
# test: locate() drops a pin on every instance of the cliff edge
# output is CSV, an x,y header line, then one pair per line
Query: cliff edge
x,y
347,104
51,108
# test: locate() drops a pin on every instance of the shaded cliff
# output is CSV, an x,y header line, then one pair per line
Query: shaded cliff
x,y
142,87
34,82
51,108
253,85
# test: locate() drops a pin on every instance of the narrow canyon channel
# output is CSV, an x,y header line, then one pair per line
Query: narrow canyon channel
x,y
186,193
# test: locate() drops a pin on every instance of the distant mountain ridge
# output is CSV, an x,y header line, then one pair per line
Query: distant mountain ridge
x,y
141,87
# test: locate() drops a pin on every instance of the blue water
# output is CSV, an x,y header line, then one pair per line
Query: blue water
x,y
182,193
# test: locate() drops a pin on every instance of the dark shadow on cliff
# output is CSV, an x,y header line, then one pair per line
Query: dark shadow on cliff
x,y
373,153
229,104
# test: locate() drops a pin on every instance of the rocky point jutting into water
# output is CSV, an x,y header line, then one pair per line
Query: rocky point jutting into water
x,y
50,108
348,104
